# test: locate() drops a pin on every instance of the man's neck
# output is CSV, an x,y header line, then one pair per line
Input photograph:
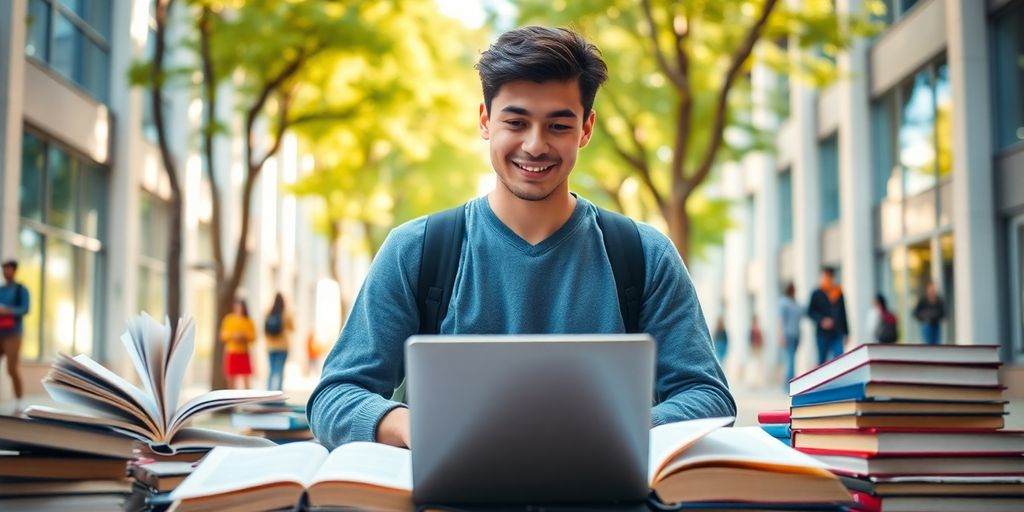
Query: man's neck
x,y
533,221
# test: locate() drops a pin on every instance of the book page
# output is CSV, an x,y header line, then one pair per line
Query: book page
x,y
82,367
368,463
670,439
228,469
180,352
98,401
49,413
194,438
749,447
146,341
218,399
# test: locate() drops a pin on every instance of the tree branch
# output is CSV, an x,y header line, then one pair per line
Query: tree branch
x,y
652,28
282,125
210,91
738,58
644,167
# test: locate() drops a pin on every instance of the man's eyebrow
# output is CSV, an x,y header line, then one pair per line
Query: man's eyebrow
x,y
523,112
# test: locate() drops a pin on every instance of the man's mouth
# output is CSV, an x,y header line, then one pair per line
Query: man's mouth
x,y
533,167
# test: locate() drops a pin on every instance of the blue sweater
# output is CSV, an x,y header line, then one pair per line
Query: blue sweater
x,y
504,285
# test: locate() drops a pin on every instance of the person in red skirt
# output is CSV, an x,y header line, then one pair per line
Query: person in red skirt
x,y
237,332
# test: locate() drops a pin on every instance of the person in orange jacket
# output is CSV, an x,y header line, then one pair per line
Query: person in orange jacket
x,y
237,332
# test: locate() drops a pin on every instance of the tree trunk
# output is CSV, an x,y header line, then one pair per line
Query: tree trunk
x,y
174,260
225,301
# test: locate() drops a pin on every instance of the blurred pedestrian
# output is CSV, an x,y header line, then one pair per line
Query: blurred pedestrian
x,y
721,338
237,332
277,329
929,312
14,304
790,313
828,310
883,324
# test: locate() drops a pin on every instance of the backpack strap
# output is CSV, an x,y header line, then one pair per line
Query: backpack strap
x,y
626,255
442,245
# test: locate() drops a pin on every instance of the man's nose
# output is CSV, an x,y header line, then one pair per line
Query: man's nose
x,y
535,143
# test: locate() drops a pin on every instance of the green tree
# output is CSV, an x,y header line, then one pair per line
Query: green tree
x,y
271,54
416,151
678,98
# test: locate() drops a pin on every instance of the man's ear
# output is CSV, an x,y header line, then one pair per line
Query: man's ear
x,y
485,131
588,128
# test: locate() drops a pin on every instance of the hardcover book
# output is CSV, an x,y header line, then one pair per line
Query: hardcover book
x,y
151,414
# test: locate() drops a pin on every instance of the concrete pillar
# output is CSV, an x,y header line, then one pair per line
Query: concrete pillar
x,y
766,208
12,84
122,237
974,215
737,306
857,254
806,206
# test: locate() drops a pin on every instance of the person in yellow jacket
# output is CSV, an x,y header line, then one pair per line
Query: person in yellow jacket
x,y
277,327
237,332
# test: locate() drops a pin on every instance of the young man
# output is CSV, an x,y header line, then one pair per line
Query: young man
x,y
14,302
828,310
533,260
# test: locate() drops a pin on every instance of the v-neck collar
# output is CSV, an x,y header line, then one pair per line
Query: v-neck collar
x,y
552,241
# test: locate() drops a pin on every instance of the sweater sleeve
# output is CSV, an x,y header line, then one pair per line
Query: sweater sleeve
x,y
367,362
690,382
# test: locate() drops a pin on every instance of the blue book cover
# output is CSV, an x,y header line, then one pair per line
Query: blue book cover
x,y
848,392
777,430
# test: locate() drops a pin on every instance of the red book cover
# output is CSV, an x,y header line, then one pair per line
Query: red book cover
x,y
773,417
865,502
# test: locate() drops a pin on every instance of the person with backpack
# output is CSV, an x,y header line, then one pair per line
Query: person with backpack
x,y
530,257
884,325
827,308
14,305
277,329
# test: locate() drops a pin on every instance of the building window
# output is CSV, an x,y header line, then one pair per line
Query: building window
x,y
896,9
883,166
63,215
72,37
828,160
1008,75
786,207
152,283
913,138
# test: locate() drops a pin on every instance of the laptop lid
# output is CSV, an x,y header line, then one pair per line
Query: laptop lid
x,y
530,419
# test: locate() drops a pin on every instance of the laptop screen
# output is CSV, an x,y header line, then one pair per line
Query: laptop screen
x,y
530,419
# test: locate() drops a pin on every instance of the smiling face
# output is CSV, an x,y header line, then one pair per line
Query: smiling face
x,y
535,131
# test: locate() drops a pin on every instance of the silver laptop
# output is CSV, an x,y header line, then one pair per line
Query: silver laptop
x,y
530,419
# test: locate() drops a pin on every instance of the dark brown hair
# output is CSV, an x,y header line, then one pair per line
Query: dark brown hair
x,y
540,54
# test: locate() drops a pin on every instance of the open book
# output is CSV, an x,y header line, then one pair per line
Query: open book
x,y
691,461
150,414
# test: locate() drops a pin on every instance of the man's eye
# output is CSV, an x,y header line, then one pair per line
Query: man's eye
x,y
515,123
560,127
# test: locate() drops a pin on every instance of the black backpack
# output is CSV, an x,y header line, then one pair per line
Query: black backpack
x,y
274,324
442,245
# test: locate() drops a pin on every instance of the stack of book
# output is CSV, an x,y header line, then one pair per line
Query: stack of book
x,y
278,422
776,424
693,464
53,466
153,479
912,427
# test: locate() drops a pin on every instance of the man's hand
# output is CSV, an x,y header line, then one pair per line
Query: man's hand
x,y
393,428
827,323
